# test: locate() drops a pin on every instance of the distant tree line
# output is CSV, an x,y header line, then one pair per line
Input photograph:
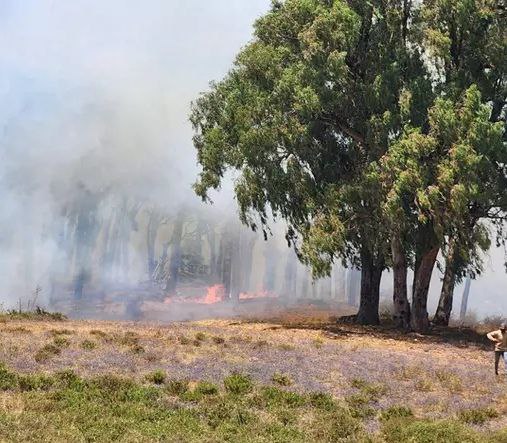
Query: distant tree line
x,y
377,131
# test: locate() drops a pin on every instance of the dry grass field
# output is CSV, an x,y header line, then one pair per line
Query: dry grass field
x,y
292,376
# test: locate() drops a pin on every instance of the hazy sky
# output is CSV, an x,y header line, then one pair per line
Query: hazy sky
x,y
153,56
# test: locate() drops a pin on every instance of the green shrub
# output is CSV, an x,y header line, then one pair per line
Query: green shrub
x,y
318,342
100,334
337,426
200,336
424,385
137,349
69,379
221,412
35,382
218,340
477,416
449,380
238,384
323,401
184,340
177,387
46,352
61,342
18,329
156,377
272,396
111,382
88,345
423,431
396,412
201,390
360,405
129,339
56,332
8,380
282,379
206,388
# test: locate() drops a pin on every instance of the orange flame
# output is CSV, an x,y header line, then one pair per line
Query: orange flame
x,y
215,294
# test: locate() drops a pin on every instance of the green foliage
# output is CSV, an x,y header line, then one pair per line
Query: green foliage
x,y
61,342
8,380
46,352
35,382
238,384
419,431
100,334
57,332
218,340
184,340
282,379
309,104
449,380
177,387
88,345
37,314
477,416
158,377
396,412
66,407
200,391
200,336
357,122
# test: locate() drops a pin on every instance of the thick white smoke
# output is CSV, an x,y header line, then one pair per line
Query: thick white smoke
x,y
95,95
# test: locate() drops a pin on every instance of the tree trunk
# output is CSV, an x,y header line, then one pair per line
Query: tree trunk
x,y
464,300
213,253
151,236
175,259
401,306
425,262
371,274
443,313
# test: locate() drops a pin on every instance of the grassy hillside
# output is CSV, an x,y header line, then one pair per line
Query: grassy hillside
x,y
292,379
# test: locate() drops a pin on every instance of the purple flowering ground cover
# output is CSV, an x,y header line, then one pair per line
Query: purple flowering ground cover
x,y
435,379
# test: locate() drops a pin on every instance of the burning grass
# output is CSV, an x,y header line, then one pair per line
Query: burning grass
x,y
243,381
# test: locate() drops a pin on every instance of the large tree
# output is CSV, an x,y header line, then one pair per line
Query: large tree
x,y
310,103
438,184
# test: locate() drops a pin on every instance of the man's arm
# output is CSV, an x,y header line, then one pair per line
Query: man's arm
x,y
493,336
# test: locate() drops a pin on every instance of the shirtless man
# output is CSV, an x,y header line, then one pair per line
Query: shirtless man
x,y
499,337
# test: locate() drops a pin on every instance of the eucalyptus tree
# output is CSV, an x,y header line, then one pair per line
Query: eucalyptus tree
x,y
309,104
438,177
466,44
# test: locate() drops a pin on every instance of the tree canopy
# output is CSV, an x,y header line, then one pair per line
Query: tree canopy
x,y
369,127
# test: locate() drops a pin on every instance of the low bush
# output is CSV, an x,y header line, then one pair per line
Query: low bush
x,y
156,377
88,345
238,384
477,416
396,412
282,379
47,352
177,387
